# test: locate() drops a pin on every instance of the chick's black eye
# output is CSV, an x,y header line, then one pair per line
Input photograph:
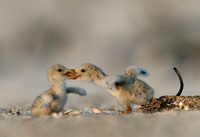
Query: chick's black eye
x,y
59,70
143,72
82,70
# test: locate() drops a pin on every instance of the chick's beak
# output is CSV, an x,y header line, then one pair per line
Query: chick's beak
x,y
71,74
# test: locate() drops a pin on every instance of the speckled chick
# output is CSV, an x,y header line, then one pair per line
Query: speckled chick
x,y
53,100
126,88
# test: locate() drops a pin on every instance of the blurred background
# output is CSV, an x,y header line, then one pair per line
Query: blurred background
x,y
113,34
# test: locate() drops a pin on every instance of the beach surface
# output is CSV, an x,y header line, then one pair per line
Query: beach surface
x,y
165,124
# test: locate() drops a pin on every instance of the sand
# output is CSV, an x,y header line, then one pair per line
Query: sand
x,y
88,124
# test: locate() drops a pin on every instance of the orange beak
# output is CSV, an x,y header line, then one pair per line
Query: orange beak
x,y
72,74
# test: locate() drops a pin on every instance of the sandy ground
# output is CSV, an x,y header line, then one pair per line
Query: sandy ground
x,y
167,124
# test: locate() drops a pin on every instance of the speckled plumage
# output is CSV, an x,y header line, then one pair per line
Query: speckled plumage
x,y
127,89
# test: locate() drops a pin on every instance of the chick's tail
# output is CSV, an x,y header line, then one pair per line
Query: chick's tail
x,y
135,71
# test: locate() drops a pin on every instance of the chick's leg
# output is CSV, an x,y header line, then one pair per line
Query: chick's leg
x,y
128,110
124,101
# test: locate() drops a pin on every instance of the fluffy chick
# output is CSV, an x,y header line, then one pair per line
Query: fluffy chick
x,y
126,88
53,100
